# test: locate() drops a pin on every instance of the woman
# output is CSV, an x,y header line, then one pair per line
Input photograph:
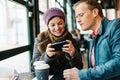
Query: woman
x,y
66,58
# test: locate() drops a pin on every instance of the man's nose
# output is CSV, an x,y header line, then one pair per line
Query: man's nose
x,y
78,19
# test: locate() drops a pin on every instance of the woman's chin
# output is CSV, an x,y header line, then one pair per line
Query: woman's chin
x,y
58,35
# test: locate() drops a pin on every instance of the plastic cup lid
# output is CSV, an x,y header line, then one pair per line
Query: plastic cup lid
x,y
38,63
42,66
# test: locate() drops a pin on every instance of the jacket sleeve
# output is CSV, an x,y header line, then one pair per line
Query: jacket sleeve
x,y
37,55
75,61
111,68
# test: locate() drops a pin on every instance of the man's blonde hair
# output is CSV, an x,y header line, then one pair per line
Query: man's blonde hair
x,y
92,4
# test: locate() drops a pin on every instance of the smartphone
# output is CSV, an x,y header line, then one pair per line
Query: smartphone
x,y
58,45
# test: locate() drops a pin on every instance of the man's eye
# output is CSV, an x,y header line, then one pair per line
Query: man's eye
x,y
80,15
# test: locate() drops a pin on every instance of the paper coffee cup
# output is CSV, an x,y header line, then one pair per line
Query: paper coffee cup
x,y
41,70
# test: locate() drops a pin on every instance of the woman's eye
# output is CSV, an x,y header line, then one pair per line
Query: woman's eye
x,y
52,25
60,23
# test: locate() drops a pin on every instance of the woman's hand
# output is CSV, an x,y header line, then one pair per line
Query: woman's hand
x,y
51,51
69,48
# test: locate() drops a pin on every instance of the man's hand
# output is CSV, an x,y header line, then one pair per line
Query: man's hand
x,y
71,74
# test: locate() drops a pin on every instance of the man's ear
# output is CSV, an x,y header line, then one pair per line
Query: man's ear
x,y
95,12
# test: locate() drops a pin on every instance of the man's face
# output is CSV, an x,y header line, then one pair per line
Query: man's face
x,y
85,17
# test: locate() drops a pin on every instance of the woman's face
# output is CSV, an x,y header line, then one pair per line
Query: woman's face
x,y
56,26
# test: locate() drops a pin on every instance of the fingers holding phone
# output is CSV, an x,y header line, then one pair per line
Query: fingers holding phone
x,y
66,46
58,45
69,48
50,51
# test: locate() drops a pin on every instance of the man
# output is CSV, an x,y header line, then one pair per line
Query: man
x,y
104,48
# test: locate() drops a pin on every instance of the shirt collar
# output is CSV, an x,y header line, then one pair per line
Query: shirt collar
x,y
95,33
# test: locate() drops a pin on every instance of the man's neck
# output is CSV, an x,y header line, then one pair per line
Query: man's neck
x,y
97,25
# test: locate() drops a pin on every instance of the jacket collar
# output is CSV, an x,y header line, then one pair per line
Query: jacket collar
x,y
103,24
95,33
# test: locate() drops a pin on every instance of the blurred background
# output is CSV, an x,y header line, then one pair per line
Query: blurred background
x,y
21,21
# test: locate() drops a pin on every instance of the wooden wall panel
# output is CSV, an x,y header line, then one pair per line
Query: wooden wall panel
x,y
117,2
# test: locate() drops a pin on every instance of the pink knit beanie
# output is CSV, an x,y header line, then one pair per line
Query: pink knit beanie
x,y
53,12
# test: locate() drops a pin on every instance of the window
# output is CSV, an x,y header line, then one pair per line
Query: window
x,y
14,33
13,25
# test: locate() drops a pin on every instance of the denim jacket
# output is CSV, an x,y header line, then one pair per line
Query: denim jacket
x,y
106,52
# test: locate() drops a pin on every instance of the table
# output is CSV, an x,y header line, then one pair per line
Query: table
x,y
26,76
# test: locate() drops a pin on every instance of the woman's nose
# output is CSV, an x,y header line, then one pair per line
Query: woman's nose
x,y
56,26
